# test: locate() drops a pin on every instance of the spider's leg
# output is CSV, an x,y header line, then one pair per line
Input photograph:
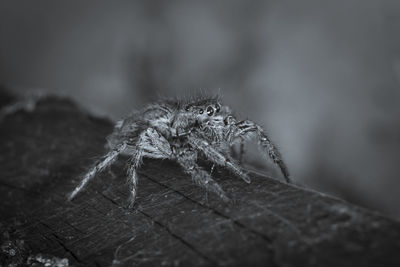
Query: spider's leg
x,y
132,175
150,144
212,168
248,128
107,160
216,157
187,160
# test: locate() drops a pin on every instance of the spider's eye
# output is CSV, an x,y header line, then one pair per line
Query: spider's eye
x,y
187,108
217,107
201,111
210,111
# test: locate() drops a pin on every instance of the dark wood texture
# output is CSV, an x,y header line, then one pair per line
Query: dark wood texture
x,y
174,222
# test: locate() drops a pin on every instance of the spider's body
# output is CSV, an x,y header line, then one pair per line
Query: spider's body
x,y
181,130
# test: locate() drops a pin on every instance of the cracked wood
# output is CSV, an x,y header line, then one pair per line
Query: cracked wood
x,y
174,222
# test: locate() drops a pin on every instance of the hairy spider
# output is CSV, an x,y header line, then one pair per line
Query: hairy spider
x,y
181,130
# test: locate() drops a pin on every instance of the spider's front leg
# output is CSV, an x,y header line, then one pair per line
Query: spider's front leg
x,y
247,128
107,160
217,157
150,144
187,159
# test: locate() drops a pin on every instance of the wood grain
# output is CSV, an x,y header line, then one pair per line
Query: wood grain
x,y
174,222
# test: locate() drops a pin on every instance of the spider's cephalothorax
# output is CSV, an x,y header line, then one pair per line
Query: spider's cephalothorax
x,y
182,130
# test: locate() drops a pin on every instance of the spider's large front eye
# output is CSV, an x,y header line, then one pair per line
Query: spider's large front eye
x,y
201,111
217,107
187,108
210,110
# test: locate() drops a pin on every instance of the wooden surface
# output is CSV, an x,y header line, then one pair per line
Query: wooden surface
x,y
173,223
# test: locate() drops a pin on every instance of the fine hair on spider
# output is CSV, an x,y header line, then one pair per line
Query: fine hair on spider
x,y
183,130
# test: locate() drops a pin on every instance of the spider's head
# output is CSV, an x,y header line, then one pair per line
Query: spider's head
x,y
205,110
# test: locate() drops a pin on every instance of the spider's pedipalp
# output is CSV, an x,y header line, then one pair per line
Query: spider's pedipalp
x,y
187,160
108,159
247,128
216,157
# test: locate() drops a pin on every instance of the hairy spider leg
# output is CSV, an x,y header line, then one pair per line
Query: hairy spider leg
x,y
132,175
247,128
187,160
151,144
216,157
107,160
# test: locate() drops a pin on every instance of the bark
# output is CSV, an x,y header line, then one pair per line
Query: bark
x,y
174,222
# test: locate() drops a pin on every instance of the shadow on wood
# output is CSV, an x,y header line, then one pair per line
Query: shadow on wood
x,y
174,222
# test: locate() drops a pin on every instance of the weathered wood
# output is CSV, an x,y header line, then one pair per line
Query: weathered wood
x,y
173,223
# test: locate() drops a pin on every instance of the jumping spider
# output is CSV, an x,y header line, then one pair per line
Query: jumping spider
x,y
181,130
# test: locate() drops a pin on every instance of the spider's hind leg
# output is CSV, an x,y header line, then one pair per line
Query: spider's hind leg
x,y
132,175
108,159
246,128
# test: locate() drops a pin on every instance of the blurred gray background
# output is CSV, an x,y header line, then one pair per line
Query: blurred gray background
x,y
321,76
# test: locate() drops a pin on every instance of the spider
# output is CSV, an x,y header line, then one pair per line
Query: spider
x,y
183,130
